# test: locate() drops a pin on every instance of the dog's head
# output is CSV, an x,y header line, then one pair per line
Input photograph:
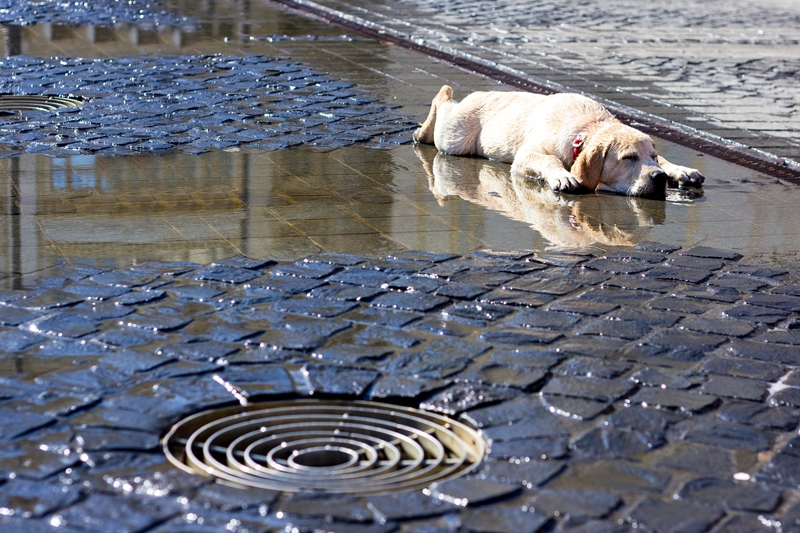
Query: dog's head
x,y
617,158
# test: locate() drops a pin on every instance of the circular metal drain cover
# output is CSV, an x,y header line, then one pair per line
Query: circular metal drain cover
x,y
343,447
10,102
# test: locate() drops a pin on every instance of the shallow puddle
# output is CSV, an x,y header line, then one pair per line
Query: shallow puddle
x,y
112,211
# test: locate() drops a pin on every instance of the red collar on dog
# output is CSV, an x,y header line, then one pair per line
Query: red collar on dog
x,y
577,144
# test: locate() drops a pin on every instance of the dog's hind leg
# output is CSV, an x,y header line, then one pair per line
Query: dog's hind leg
x,y
424,134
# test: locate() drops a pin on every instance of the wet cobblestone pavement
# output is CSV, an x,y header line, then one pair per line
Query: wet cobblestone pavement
x,y
617,390
623,384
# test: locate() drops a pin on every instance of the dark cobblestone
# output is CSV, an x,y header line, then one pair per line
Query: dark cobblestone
x,y
204,95
592,420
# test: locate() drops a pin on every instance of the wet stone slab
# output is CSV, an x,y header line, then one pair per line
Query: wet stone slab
x,y
600,395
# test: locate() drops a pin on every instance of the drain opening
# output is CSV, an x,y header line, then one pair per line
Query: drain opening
x,y
332,446
10,102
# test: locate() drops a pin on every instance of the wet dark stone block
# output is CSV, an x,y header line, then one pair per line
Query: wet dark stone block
x,y
415,283
226,498
617,296
102,416
687,261
775,353
686,401
712,293
598,389
748,497
757,271
733,387
526,473
305,269
409,505
28,499
43,301
590,367
410,301
222,332
132,362
652,246
16,423
277,339
760,415
678,305
438,359
14,340
673,273
100,512
781,337
286,284
539,318
398,338
790,397
748,524
63,325
124,278
620,476
644,353
697,458
755,313
504,413
259,380
728,327
737,282
333,258
470,491
791,290
582,307
632,256
711,253
443,327
782,470
460,397
775,301
461,291
730,436
140,297
685,339
336,379
590,346
11,316
516,338
639,283
328,506
491,520
645,316
202,293
244,262
354,353
575,504
491,279
560,260
647,422
365,277
104,439
225,274
530,449
653,378
397,387
126,337
336,291
477,312
618,267
521,377
94,291
553,287
157,319
314,307
573,408
610,442
522,298
674,515
377,316
520,357
623,329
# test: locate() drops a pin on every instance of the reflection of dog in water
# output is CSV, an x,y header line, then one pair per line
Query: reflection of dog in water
x,y
564,221
570,141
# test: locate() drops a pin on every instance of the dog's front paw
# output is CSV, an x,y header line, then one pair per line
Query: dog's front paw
x,y
685,177
564,182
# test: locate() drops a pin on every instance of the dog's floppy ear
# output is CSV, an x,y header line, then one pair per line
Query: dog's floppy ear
x,y
589,165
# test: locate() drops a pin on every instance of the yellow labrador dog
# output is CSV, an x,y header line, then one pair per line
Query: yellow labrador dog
x,y
569,140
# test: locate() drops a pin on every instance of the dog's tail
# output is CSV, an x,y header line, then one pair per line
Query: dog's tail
x,y
424,134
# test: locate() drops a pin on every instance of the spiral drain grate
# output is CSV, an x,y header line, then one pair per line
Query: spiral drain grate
x,y
10,102
333,446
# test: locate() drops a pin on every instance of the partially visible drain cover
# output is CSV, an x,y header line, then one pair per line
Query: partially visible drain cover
x,y
342,447
34,102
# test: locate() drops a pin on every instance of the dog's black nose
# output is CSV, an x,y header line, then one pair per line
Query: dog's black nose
x,y
659,178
